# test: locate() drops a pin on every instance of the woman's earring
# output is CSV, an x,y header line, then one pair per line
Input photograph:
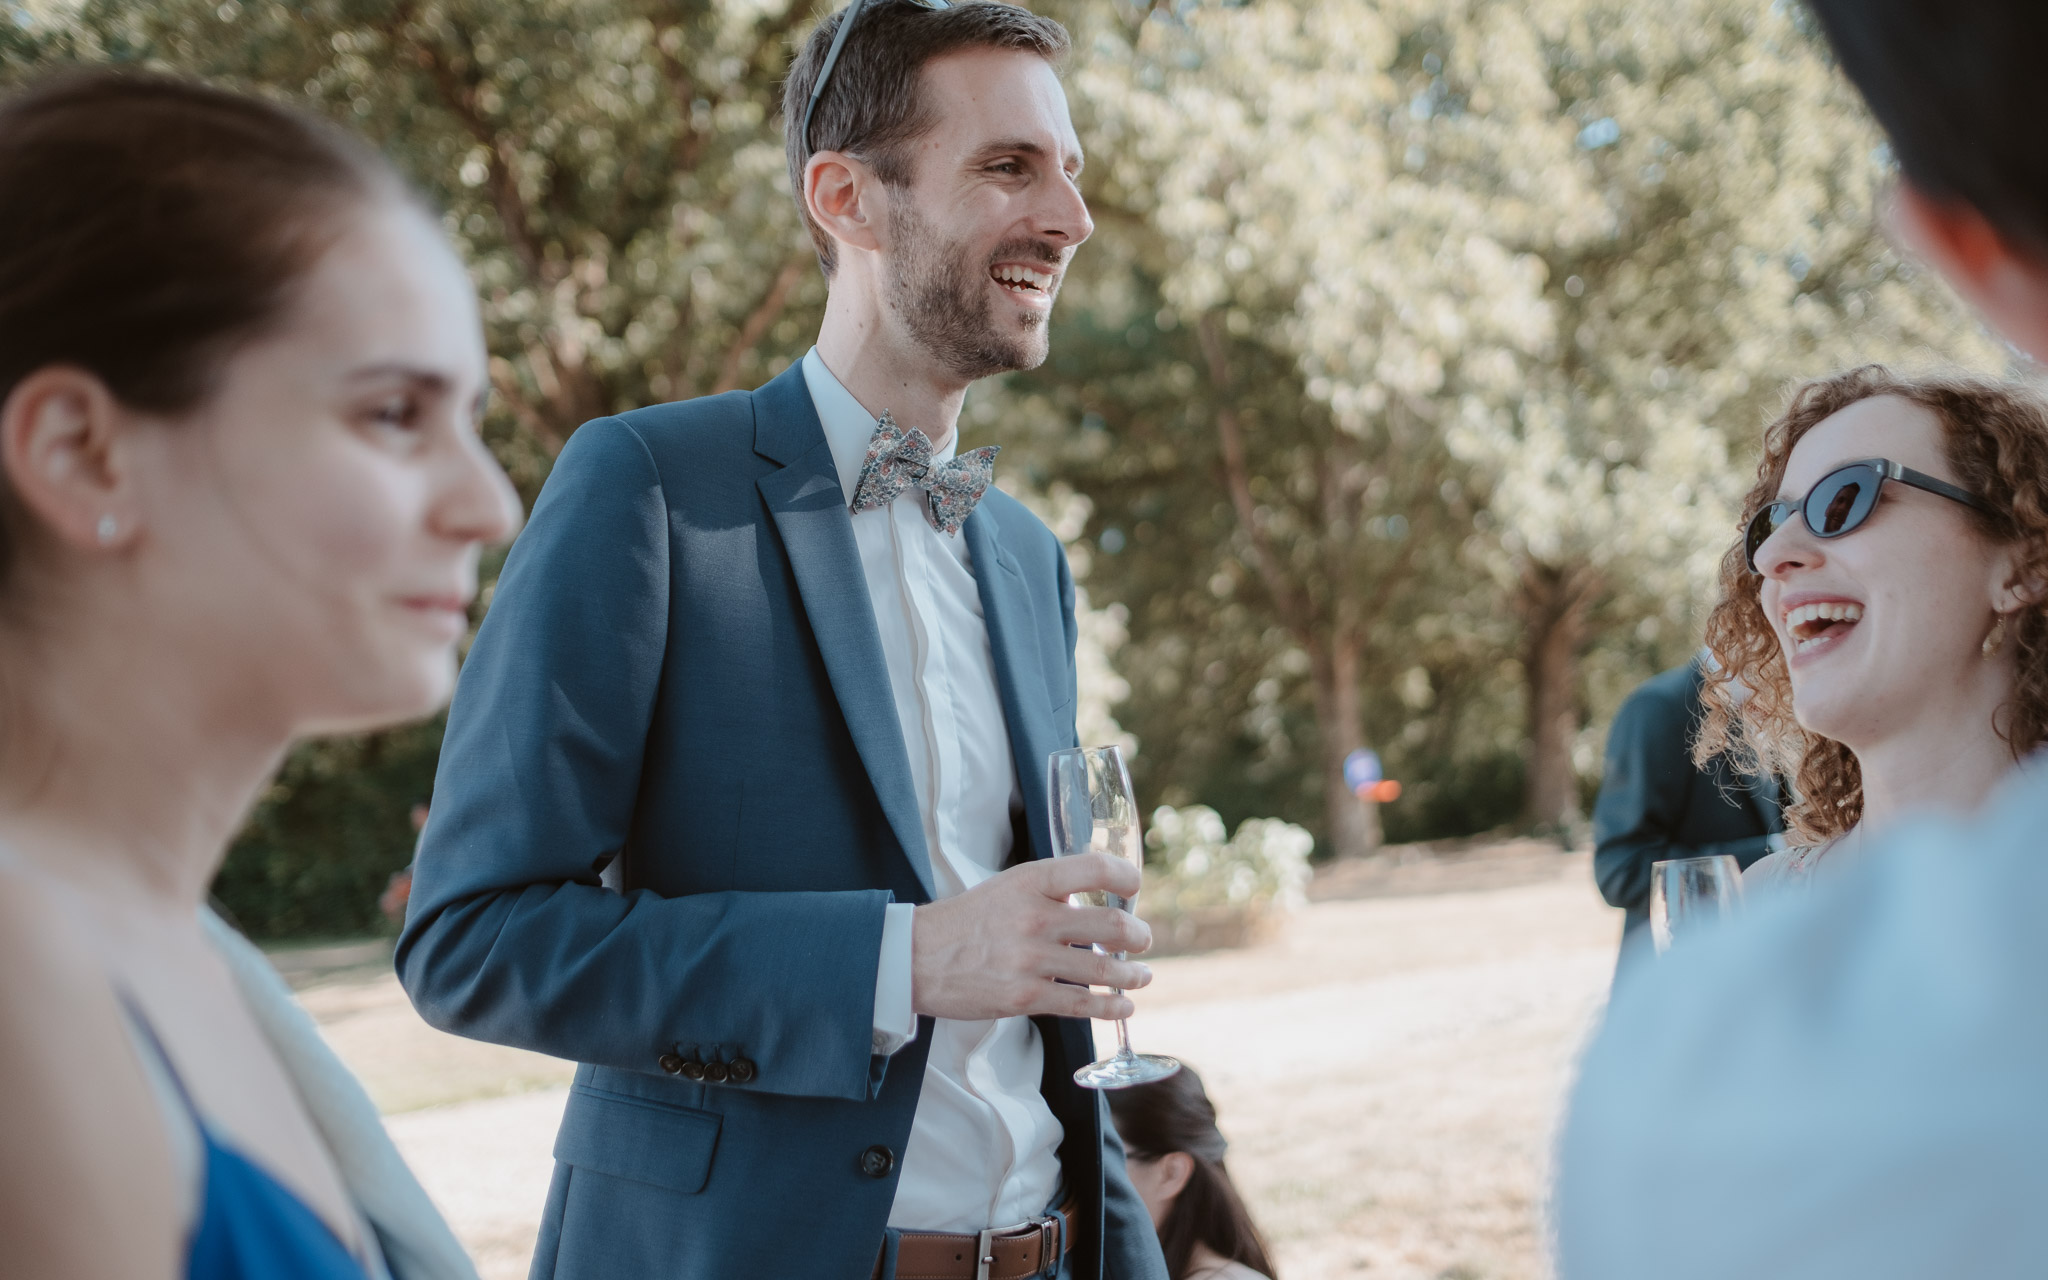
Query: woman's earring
x,y
1996,640
106,530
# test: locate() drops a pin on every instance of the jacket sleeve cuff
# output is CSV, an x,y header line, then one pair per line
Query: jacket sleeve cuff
x,y
894,1023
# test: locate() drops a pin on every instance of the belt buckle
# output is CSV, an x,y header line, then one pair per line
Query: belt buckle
x,y
985,1251
1049,1229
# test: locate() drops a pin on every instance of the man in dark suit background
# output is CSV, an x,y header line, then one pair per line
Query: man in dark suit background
x,y
1655,804
742,803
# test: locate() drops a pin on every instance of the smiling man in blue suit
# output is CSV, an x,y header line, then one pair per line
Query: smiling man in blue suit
x,y
742,803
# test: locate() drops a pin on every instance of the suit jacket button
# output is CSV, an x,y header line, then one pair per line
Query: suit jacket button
x,y
877,1160
693,1070
716,1072
672,1063
743,1070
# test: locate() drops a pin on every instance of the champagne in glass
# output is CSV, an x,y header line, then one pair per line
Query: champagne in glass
x,y
1095,811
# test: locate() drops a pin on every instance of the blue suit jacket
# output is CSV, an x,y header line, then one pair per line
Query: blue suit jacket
x,y
672,803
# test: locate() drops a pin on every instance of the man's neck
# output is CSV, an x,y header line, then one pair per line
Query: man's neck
x,y
884,371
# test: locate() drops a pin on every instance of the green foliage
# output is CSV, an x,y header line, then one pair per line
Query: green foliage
x,y
612,170
326,838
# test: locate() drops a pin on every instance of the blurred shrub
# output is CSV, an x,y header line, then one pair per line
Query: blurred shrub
x,y
326,837
1190,865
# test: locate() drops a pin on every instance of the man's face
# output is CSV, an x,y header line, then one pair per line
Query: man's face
x,y
979,240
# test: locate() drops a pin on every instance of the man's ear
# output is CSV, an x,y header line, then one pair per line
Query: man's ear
x,y
60,436
2007,283
843,197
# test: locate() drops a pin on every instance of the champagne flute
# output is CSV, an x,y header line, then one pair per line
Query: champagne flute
x,y
1095,811
1687,892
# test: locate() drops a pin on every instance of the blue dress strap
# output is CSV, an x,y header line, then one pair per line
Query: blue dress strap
x,y
250,1225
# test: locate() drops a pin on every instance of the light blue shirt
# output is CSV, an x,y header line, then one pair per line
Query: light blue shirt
x,y
1850,1082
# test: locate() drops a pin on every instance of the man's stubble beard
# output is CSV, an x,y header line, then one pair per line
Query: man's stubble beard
x,y
939,288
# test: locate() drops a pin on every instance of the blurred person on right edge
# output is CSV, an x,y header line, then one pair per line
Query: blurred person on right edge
x,y
1847,1082
1176,1154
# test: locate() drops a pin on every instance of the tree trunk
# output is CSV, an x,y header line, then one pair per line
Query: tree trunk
x,y
1352,825
1553,602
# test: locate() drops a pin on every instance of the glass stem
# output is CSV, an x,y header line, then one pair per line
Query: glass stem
x,y
1123,1028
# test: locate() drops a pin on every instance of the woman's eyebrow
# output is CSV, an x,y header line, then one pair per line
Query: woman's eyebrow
x,y
419,375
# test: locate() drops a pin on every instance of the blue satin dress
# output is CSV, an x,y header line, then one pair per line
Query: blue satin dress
x,y
250,1226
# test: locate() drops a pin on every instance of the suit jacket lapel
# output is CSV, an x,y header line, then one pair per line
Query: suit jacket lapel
x,y
809,509
1006,608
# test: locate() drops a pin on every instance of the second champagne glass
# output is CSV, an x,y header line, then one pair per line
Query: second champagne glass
x,y
1095,811
1688,892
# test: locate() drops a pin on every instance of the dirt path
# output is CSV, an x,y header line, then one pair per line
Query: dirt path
x,y
1388,1071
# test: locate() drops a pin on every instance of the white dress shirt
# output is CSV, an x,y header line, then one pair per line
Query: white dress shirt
x,y
983,1148
1848,1082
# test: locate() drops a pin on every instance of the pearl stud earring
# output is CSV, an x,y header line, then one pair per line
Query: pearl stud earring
x,y
106,530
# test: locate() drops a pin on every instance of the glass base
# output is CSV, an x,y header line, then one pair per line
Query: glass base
x,y
1125,1070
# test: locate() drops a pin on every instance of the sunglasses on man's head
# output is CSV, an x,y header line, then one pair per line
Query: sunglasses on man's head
x,y
832,59
1843,500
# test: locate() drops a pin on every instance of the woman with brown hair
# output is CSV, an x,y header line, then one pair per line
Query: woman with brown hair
x,y
242,498
1884,609
1175,1155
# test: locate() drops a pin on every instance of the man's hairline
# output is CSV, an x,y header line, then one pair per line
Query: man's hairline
x,y
906,144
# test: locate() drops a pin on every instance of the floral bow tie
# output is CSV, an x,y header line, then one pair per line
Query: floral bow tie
x,y
898,459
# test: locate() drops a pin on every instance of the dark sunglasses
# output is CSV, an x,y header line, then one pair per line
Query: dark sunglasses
x,y
1844,499
832,59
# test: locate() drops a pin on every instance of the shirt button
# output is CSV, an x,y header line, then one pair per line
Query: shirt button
x,y
876,1161
672,1063
743,1070
716,1072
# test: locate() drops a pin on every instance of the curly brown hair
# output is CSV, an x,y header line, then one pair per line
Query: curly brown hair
x,y
1995,437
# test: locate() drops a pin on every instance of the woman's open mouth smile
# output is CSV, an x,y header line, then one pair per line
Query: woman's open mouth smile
x,y
1820,625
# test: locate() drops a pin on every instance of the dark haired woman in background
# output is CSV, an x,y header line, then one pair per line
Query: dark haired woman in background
x,y
241,502
1176,1163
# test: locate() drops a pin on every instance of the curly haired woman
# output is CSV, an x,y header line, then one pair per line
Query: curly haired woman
x,y
1884,608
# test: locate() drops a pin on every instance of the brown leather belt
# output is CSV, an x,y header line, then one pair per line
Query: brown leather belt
x,y
1026,1250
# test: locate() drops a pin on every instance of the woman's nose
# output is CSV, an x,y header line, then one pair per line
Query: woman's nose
x,y
1790,547
477,502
